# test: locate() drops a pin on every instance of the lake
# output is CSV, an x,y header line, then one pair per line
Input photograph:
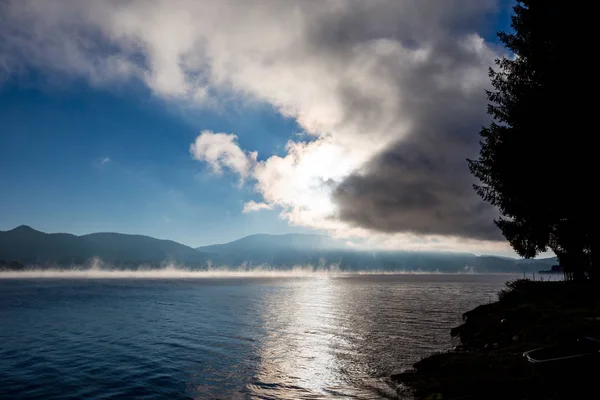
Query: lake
x,y
321,336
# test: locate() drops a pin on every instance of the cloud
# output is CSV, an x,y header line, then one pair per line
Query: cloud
x,y
389,93
221,150
420,183
105,160
254,206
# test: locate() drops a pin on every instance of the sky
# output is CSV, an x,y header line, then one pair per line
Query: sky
x,y
205,121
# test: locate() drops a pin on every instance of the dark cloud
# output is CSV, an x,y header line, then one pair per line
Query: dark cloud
x,y
417,188
421,183
336,26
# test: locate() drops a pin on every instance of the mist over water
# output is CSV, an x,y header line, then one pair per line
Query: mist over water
x,y
97,269
296,334
173,272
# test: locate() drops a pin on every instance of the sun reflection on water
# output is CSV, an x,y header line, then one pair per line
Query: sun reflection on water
x,y
294,359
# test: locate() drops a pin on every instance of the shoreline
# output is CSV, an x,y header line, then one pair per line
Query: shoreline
x,y
489,363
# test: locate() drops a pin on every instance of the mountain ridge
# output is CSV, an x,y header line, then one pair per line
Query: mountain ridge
x,y
29,246
287,240
263,249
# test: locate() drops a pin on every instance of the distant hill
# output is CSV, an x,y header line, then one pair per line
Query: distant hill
x,y
274,250
285,251
31,247
287,241
27,246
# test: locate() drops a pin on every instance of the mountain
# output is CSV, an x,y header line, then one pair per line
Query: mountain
x,y
274,250
25,245
286,251
287,241
32,247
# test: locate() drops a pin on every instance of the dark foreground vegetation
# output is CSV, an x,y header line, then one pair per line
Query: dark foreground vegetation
x,y
490,364
533,102
538,139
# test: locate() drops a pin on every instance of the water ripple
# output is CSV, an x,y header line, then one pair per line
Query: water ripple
x,y
267,338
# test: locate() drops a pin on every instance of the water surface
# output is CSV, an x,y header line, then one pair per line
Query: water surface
x,y
321,337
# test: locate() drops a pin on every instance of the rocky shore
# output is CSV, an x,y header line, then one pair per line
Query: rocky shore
x,y
489,362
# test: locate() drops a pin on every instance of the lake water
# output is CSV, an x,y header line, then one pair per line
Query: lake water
x,y
309,337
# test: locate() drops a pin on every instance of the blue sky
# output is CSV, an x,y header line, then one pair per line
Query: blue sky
x,y
97,115
79,159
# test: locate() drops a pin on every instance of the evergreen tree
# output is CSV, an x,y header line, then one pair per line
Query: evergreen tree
x,y
534,164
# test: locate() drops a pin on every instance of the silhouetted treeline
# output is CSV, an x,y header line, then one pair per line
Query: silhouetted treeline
x,y
11,265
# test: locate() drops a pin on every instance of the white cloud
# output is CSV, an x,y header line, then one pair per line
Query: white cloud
x,y
254,206
354,74
105,160
221,150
